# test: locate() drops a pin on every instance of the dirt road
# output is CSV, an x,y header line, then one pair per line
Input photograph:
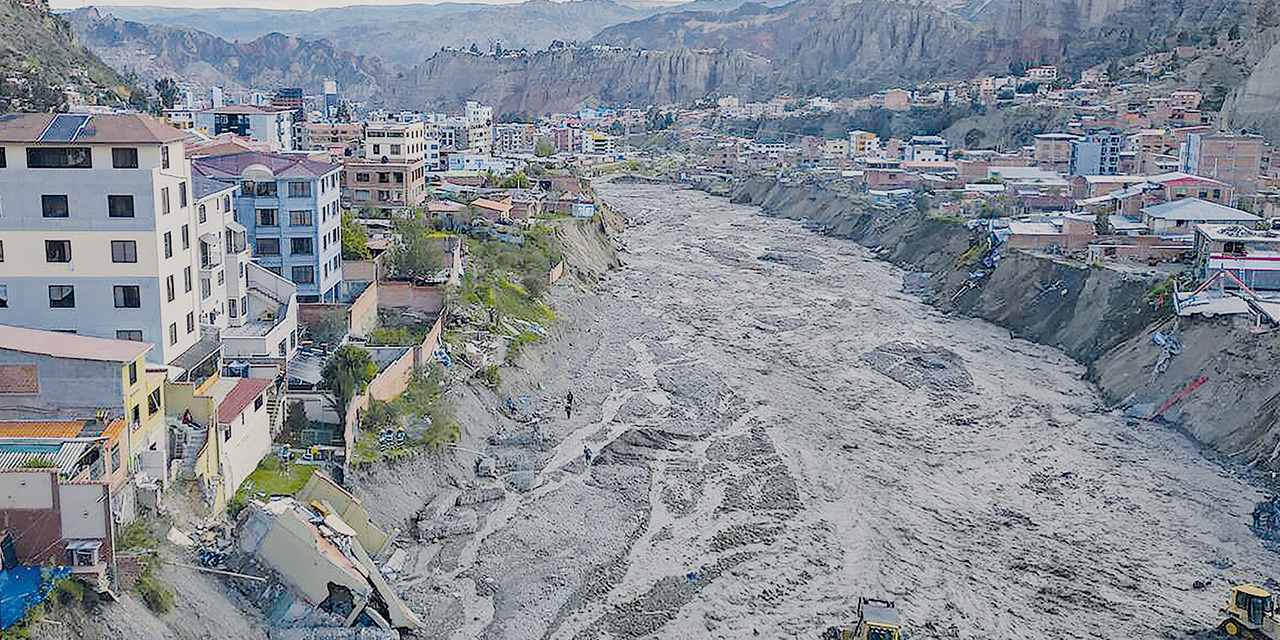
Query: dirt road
x,y
776,430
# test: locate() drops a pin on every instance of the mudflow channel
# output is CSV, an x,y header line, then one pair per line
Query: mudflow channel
x,y
769,412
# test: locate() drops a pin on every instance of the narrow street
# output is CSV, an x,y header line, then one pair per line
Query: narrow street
x,y
778,431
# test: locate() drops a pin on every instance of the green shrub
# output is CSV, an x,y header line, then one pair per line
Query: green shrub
x,y
69,590
136,535
154,593
490,376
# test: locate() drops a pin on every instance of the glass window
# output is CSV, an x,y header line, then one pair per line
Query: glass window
x,y
124,251
267,217
203,217
129,334
299,189
164,157
128,296
4,296
57,251
191,322
362,177
258,189
1,250
164,200
301,246
59,158
170,289
182,194
186,279
168,244
268,247
3,163
173,333
133,373
206,289
55,206
62,296
231,307
304,275
186,237
300,218
124,158
120,206
153,402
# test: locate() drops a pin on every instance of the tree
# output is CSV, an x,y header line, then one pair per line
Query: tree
x,y
418,252
355,243
544,147
295,420
347,373
974,137
166,93
1102,224
330,328
516,180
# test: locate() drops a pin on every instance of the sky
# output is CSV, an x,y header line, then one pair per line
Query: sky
x,y
61,5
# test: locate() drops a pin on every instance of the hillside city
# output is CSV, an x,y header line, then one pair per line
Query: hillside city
x,y
218,308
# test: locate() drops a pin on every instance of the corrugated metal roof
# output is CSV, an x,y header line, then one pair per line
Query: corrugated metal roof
x,y
63,455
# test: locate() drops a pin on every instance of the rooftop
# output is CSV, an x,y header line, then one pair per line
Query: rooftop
x,y
69,345
246,109
241,395
85,129
230,167
1197,209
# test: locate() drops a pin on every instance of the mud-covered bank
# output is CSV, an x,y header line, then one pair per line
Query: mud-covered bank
x,y
1103,318
1083,311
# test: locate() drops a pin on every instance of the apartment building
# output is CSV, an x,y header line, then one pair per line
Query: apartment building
x,y
270,124
391,173
1097,154
223,254
1237,160
514,138
479,124
96,215
289,207
1053,150
338,138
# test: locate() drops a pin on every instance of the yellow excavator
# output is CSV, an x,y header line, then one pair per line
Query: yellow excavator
x,y
1250,612
877,620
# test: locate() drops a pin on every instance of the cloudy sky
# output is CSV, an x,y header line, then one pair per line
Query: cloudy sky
x,y
256,4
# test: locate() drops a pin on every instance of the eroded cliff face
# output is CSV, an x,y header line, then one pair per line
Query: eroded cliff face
x,y
272,61
1255,104
568,78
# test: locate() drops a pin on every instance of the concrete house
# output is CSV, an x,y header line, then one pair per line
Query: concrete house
x,y
97,216
232,421
59,523
1179,217
270,124
290,209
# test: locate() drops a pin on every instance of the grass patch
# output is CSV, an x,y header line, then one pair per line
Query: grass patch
x,y
154,593
399,335
273,478
137,535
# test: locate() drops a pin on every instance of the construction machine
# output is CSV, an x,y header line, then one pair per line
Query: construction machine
x,y
877,620
1250,612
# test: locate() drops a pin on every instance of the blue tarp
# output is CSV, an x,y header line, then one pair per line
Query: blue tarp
x,y
23,587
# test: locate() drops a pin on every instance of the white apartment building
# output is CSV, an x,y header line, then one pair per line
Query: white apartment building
x,y
98,234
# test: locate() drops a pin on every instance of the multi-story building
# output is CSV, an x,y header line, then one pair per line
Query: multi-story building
x,y
926,149
514,138
1234,159
223,254
479,122
597,143
338,138
289,207
270,124
97,216
1097,154
1053,150
863,144
391,173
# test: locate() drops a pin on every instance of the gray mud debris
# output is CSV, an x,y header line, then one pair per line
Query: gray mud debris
x,y
917,366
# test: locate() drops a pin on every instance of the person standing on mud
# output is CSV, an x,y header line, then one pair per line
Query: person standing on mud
x,y
568,405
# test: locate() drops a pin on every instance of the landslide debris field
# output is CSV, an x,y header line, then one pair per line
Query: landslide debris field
x,y
767,411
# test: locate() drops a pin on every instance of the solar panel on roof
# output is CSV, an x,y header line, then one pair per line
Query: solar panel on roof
x,y
64,128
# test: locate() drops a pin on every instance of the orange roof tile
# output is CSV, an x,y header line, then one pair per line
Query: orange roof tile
x,y
40,428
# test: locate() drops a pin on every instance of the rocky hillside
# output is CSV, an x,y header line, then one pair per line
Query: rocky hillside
x,y
43,66
406,34
272,61
566,78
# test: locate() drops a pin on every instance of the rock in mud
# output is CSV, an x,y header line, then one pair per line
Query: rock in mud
x,y
920,365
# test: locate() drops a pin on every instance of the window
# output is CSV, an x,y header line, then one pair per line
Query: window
x,y
124,158
59,158
268,247
164,200
222,277
267,217
377,148
206,288
153,402
3,164
62,296
304,275
258,189
280,348
4,296
128,296
226,203
362,177
120,206
300,218
129,334
1,250
170,289
57,251
191,322
186,279
84,557
124,251
299,189
399,176
55,206
173,333
137,414
203,217
182,194
384,177
395,149
168,244
164,157
231,307
362,194
186,237
300,246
